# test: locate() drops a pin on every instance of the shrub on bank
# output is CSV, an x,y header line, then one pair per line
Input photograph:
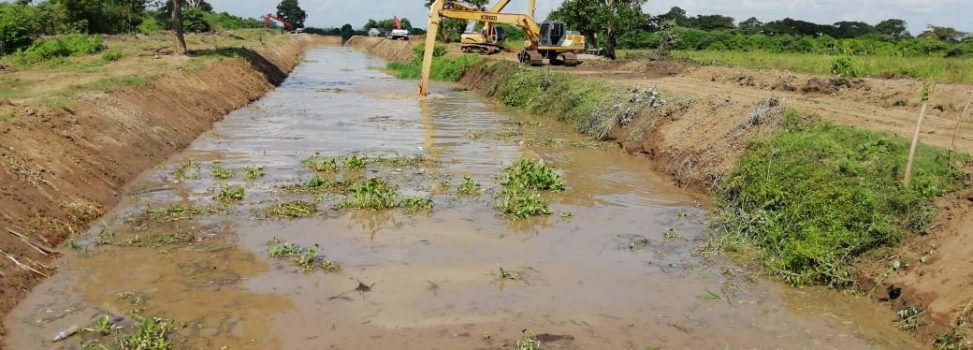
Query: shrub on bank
x,y
817,195
60,46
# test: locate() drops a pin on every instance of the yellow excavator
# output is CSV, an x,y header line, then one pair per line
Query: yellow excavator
x,y
549,40
491,39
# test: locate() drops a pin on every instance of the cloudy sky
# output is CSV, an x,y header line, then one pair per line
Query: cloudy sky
x,y
918,13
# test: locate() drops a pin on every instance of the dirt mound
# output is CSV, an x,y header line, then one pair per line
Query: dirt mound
x,y
62,168
389,50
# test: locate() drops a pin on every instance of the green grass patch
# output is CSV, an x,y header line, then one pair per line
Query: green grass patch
x,y
221,173
354,162
522,183
253,172
231,194
150,334
412,205
56,48
816,195
371,194
112,55
291,210
468,187
321,164
307,259
443,68
941,69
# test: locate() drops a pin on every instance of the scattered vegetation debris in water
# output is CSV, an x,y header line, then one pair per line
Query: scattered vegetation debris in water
x,y
468,187
335,90
371,193
307,259
231,194
162,240
77,247
103,325
413,205
253,172
321,164
816,195
221,173
592,144
317,184
671,234
363,288
150,334
291,209
566,214
179,212
354,162
509,275
402,161
632,242
529,341
492,134
105,237
910,318
533,175
188,169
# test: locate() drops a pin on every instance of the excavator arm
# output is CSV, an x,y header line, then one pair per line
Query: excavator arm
x,y
449,9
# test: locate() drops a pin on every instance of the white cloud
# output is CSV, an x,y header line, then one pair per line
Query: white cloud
x,y
918,13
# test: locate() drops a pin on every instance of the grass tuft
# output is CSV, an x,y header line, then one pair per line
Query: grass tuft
x,y
253,172
321,164
371,194
354,162
231,194
307,259
291,210
533,175
221,173
417,204
468,187
150,334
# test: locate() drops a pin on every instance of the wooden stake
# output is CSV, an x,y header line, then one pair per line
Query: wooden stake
x,y
915,143
959,121
43,250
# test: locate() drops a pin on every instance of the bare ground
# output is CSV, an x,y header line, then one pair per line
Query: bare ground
x,y
698,139
63,167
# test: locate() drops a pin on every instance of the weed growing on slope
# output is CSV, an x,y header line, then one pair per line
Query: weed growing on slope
x,y
253,172
413,205
817,195
290,210
221,173
371,194
354,162
231,194
321,164
910,319
468,187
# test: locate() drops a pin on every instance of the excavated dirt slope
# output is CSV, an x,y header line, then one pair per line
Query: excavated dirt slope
x,y
699,138
63,168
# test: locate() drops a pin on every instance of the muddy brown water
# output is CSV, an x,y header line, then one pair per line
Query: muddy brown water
x,y
615,267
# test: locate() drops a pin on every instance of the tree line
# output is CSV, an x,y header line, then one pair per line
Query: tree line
x,y
615,24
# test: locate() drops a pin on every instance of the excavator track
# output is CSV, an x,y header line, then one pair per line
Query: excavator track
x,y
531,57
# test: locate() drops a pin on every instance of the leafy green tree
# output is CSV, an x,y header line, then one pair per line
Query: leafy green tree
x,y
851,29
751,26
386,24
675,14
103,16
612,18
451,28
712,22
18,27
292,12
346,32
194,20
895,28
945,34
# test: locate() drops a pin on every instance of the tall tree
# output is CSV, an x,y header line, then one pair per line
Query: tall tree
x,y
180,39
292,12
712,22
751,26
612,18
895,28
451,28
947,34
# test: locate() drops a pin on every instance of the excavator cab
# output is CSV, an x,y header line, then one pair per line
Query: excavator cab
x,y
552,33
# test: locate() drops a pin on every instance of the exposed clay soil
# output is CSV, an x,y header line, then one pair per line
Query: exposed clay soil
x,y
698,138
63,168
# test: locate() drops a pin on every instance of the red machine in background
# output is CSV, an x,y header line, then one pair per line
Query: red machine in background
x,y
270,17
